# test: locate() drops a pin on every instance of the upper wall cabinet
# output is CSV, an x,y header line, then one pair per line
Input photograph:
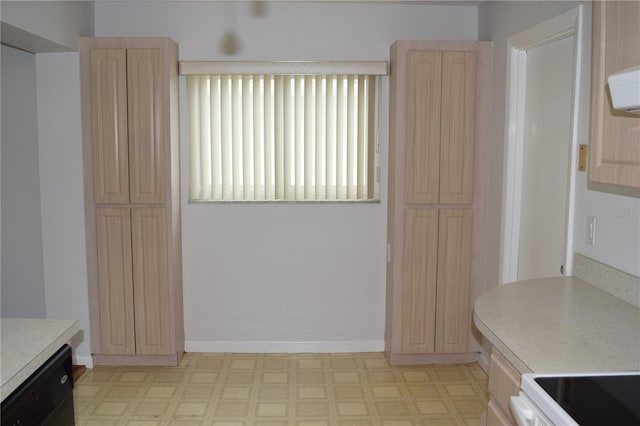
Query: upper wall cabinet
x,y
615,136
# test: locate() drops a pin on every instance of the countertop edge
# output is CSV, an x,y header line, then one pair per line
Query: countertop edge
x,y
559,325
500,345
29,368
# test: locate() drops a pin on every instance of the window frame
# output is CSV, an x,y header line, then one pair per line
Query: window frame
x,y
304,68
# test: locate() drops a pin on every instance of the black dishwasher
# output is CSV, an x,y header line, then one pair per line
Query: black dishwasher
x,y
46,397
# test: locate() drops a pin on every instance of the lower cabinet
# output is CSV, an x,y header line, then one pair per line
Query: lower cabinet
x,y
134,293
504,382
435,285
496,417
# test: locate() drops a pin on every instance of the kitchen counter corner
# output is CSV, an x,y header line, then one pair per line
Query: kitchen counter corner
x,y
28,343
560,325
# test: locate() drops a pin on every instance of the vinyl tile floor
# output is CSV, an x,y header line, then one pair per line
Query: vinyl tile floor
x,y
347,389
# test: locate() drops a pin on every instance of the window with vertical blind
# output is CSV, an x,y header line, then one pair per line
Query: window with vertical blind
x,y
284,131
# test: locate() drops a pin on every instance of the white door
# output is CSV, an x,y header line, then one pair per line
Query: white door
x,y
546,159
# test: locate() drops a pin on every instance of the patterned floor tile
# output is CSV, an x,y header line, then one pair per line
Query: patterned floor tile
x,y
357,389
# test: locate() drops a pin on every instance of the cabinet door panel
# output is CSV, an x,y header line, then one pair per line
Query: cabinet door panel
x,y
113,233
454,279
504,382
615,136
109,120
150,276
146,154
423,127
458,127
419,285
497,417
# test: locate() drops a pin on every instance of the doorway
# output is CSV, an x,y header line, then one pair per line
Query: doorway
x,y
541,148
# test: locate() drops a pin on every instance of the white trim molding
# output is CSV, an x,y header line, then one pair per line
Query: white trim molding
x,y
562,26
284,68
85,360
238,346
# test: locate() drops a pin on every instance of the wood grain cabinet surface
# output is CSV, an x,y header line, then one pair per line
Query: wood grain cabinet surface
x,y
128,154
435,88
132,199
504,382
615,135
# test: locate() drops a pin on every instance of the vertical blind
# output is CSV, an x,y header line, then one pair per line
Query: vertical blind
x,y
268,137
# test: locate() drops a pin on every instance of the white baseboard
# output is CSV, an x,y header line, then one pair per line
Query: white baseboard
x,y
85,360
284,347
483,360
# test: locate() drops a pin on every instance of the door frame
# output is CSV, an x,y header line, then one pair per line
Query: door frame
x,y
562,26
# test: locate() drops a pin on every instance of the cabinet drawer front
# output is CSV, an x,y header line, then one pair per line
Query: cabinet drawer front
x,y
115,285
504,381
146,129
109,124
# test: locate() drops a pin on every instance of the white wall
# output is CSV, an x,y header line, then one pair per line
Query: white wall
x,y
46,26
61,189
52,26
289,30
617,240
294,273
23,294
618,217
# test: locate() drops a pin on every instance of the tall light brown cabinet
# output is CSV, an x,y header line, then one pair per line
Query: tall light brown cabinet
x,y
132,199
436,208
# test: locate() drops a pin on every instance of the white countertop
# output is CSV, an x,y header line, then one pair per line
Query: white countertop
x,y
26,344
560,325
